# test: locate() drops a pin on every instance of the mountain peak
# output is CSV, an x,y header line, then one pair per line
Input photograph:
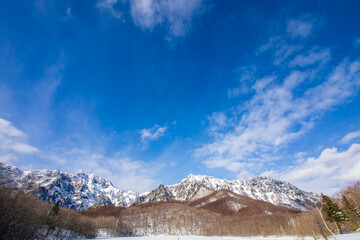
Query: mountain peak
x,y
260,188
80,172
191,178
198,178
80,191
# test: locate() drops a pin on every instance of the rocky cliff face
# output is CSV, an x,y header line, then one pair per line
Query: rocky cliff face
x,y
80,191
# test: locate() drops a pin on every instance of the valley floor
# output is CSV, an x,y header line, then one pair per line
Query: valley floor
x,y
350,236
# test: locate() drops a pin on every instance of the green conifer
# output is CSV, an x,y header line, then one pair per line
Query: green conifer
x,y
332,212
55,209
53,217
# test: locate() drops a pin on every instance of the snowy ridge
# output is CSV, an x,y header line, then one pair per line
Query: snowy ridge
x,y
185,191
277,192
80,191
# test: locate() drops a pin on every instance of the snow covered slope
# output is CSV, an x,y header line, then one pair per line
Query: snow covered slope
x,y
277,192
80,191
181,192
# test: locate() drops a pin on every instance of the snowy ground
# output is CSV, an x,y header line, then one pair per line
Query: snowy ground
x,y
351,236
206,238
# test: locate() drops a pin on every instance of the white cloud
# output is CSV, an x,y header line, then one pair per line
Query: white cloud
x,y
6,129
332,170
244,175
277,114
218,122
176,14
350,136
282,105
299,28
234,92
247,76
7,157
300,156
152,133
313,56
282,49
145,13
13,142
263,83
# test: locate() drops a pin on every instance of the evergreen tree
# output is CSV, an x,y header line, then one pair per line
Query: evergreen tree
x,y
351,210
55,209
332,212
53,217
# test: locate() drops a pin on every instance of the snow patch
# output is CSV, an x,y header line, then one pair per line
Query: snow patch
x,y
235,206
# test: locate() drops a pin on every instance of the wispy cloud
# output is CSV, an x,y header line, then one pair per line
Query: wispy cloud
x,y
283,49
284,45
246,78
175,15
153,133
350,136
45,89
283,105
13,142
218,122
109,6
299,28
327,173
311,57
276,115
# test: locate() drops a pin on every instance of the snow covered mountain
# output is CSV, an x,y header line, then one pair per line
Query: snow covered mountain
x,y
277,192
80,191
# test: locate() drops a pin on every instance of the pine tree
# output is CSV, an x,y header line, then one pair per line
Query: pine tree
x,y
52,218
351,210
332,212
55,209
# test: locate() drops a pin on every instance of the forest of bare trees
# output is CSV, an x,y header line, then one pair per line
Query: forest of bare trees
x,y
24,217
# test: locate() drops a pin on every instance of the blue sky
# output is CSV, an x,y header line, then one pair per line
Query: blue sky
x,y
144,92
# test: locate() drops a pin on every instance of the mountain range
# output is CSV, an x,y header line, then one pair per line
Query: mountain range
x,y
80,191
